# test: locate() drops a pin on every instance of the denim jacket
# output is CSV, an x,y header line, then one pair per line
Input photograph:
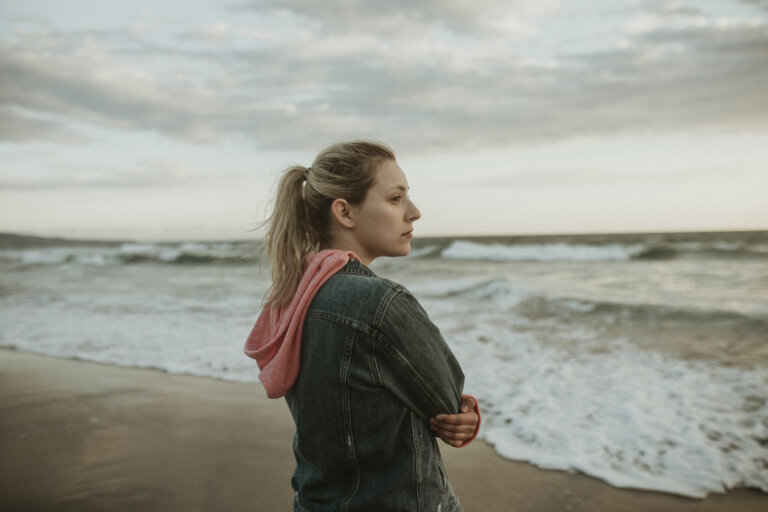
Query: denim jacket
x,y
374,369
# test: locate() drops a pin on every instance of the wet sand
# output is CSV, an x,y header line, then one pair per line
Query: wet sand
x,y
77,436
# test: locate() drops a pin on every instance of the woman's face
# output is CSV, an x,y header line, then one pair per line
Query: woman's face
x,y
383,222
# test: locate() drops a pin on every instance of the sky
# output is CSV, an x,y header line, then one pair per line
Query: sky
x,y
173,119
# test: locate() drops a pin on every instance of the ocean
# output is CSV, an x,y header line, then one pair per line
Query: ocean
x,y
639,359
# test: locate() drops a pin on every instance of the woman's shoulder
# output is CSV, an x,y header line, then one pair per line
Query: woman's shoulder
x,y
355,275
356,290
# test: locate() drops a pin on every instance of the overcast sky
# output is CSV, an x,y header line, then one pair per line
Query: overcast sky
x,y
173,119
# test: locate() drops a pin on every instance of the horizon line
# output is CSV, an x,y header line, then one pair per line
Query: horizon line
x,y
51,238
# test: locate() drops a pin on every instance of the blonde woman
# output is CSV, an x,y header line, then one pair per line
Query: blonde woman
x,y
367,376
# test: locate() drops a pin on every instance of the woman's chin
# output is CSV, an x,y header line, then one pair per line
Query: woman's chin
x,y
403,250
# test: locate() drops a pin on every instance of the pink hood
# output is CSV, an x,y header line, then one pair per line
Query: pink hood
x,y
275,341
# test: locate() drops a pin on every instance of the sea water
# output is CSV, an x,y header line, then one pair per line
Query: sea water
x,y
638,359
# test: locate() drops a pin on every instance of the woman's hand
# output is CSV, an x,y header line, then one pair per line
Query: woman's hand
x,y
457,429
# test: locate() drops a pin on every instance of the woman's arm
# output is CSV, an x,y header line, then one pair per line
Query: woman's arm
x,y
412,360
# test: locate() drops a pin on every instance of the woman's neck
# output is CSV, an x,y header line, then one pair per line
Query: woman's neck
x,y
343,244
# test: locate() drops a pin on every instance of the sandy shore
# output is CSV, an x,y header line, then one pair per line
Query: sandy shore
x,y
83,437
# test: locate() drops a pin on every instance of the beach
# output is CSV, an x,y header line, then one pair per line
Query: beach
x,y
82,436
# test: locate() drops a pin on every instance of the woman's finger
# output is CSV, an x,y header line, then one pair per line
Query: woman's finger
x,y
468,404
452,431
453,435
454,441
469,427
457,419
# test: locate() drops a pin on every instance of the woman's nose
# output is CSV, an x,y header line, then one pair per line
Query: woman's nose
x,y
414,214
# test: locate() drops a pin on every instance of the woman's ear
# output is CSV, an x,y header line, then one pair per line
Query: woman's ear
x,y
342,212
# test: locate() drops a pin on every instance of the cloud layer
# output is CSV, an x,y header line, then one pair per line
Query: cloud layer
x,y
430,75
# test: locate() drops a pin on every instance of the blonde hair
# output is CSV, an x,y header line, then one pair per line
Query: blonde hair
x,y
301,213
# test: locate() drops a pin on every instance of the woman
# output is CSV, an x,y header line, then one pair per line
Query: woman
x,y
367,376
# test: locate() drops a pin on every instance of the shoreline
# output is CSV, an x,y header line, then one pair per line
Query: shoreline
x,y
79,435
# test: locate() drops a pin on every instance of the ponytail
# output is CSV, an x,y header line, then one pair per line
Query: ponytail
x,y
285,243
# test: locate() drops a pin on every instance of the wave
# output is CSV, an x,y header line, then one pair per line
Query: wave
x,y
131,253
729,250
559,249
581,252
462,249
500,292
648,314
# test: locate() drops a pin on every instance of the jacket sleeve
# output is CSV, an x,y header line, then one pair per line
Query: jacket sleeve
x,y
413,361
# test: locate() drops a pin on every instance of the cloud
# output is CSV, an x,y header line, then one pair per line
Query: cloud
x,y
18,127
758,3
149,174
217,33
569,178
426,76
87,83
400,17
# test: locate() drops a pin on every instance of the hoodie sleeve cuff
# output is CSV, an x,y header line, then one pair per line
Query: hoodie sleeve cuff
x,y
479,420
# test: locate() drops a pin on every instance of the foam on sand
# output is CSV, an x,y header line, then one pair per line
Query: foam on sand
x,y
636,419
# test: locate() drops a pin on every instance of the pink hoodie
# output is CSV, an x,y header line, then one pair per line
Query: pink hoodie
x,y
275,341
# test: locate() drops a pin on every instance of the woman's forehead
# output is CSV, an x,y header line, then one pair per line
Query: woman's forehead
x,y
390,176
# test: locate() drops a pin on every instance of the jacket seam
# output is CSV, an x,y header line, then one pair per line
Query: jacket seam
x,y
346,404
353,267
299,505
381,311
416,462
342,320
374,364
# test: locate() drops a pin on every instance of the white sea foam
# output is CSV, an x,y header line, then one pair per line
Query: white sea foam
x,y
633,418
136,332
97,256
130,253
44,257
461,249
179,319
131,248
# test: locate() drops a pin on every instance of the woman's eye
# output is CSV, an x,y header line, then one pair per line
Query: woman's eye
x,y
396,199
